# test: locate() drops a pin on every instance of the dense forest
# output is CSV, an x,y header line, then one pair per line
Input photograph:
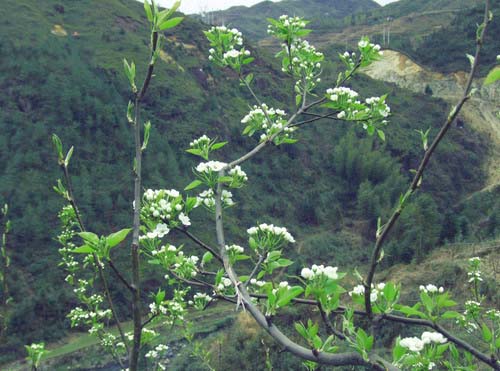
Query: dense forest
x,y
329,188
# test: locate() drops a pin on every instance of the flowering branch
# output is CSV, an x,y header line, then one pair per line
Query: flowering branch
x,y
69,194
423,164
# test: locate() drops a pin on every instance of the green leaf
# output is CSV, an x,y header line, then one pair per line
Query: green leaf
x,y
493,75
287,297
471,59
193,185
398,351
195,151
450,315
170,23
147,9
207,258
248,60
147,129
249,78
253,244
58,144
284,262
130,112
68,156
115,238
487,335
225,179
216,146
381,135
84,249
89,237
298,99
300,328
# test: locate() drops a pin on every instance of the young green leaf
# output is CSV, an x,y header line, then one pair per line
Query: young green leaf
x,y
89,237
58,144
68,156
493,75
149,12
193,185
85,249
147,128
115,238
170,23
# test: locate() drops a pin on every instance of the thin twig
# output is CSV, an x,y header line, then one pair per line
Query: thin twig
x,y
255,269
200,242
120,276
97,263
423,164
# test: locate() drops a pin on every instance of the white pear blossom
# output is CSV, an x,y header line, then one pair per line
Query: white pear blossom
x,y
414,344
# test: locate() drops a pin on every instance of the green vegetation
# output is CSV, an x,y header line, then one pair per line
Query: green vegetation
x,y
73,85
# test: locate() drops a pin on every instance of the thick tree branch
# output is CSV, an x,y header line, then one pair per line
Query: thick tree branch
x,y
244,299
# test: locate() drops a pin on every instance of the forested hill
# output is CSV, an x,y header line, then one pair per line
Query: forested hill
x,y
422,29
61,72
252,20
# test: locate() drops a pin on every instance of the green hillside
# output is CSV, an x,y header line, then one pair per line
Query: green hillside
x,y
252,20
61,71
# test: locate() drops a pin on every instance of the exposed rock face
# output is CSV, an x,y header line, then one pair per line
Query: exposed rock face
x,y
480,112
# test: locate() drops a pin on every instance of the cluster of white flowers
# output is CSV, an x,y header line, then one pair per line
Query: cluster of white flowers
x,y
472,308
235,249
166,206
431,289
305,65
200,300
227,49
474,273
164,249
156,352
224,283
376,290
108,340
337,94
79,316
210,166
185,267
417,344
366,45
269,120
319,270
202,296
207,199
151,195
155,309
348,58
233,53
200,142
256,282
236,172
282,286
382,108
286,21
160,231
266,231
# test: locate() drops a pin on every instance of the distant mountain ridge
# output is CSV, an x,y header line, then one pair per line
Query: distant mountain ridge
x,y
252,20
